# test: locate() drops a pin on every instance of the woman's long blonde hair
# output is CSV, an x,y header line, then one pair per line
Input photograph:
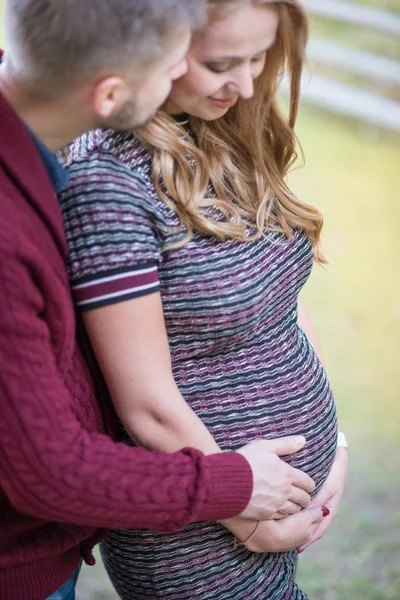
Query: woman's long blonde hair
x,y
245,155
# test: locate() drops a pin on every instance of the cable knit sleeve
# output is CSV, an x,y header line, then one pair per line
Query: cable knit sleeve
x,y
53,468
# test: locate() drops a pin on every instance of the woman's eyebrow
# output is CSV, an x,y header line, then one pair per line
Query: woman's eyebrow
x,y
220,59
234,58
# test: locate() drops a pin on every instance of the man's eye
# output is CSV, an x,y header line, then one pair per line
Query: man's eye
x,y
217,67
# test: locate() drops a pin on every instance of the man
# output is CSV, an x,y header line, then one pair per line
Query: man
x,y
71,66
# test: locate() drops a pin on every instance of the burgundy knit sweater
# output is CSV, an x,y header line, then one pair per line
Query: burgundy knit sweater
x,y
61,477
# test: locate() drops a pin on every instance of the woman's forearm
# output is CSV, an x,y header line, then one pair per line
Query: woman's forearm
x,y
168,428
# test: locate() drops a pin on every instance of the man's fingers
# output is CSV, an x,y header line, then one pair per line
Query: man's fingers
x,y
300,497
273,478
277,516
287,445
302,480
289,508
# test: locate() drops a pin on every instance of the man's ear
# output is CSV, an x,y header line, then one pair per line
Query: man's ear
x,y
109,96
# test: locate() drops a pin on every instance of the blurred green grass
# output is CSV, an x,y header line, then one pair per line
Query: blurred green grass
x,y
353,174
392,5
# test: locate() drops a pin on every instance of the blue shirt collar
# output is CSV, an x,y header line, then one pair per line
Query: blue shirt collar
x,y
59,176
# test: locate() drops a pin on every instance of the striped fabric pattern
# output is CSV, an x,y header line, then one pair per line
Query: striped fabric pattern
x,y
238,355
117,285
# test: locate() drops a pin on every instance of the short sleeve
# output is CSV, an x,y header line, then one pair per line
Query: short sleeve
x,y
110,226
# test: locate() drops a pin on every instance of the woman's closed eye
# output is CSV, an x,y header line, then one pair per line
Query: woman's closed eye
x,y
223,67
218,67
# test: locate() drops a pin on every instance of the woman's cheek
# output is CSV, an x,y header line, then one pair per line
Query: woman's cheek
x,y
257,72
201,85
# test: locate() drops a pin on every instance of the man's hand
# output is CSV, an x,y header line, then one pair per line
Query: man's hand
x,y
286,534
330,495
277,487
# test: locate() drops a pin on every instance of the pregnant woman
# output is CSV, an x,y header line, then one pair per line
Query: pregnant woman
x,y
187,255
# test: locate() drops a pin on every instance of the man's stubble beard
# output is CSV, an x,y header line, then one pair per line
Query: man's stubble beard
x,y
127,119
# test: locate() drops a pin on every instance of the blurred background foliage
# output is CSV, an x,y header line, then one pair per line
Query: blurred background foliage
x,y
352,173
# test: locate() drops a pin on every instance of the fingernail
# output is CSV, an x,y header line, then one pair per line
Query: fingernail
x,y
325,511
300,551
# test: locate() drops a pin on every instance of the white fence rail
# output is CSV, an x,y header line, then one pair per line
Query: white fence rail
x,y
356,14
346,99
376,68
352,102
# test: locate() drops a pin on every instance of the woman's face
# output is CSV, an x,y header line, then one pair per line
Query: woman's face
x,y
223,62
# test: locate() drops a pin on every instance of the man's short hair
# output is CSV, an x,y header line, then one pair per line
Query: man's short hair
x,y
62,42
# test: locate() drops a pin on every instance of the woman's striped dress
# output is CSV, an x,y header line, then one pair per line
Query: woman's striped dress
x,y
238,354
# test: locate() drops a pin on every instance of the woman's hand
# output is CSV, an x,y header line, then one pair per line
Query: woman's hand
x,y
304,528
276,536
330,495
286,534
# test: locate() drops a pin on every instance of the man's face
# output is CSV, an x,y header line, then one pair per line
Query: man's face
x,y
146,94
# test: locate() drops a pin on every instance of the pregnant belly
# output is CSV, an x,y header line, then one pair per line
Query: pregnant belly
x,y
267,391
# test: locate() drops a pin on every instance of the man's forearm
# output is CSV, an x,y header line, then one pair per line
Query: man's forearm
x,y
54,469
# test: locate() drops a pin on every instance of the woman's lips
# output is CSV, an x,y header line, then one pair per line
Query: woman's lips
x,y
223,103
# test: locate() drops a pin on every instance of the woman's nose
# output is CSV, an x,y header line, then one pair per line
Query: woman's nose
x,y
244,83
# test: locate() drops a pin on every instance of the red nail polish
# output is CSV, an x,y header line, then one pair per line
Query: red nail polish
x,y
325,511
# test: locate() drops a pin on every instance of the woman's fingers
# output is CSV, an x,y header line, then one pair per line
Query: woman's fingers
x,y
316,514
296,530
287,534
317,535
320,530
330,495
